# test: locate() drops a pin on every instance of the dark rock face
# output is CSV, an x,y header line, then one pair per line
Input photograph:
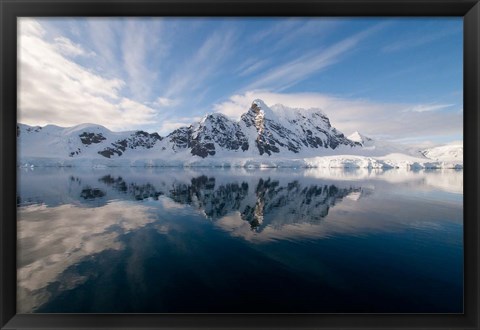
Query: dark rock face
x,y
32,129
180,138
202,149
226,133
108,152
272,136
275,135
314,131
89,138
76,152
215,129
139,139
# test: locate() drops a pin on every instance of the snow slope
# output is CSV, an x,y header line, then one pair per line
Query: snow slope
x,y
449,152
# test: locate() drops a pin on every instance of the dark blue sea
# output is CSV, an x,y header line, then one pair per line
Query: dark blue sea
x,y
175,240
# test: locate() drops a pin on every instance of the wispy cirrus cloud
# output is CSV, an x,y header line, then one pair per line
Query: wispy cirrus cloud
x,y
203,64
285,31
429,107
104,38
135,51
137,42
283,27
419,40
294,71
318,29
252,66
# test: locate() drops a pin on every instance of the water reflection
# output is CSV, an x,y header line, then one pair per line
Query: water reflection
x,y
52,239
72,221
261,202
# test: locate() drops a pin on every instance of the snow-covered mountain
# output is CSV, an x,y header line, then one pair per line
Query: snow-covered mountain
x,y
375,147
213,133
82,141
365,141
449,152
261,131
279,129
264,136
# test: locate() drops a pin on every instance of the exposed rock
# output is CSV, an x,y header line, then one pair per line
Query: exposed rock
x,y
89,138
214,129
139,139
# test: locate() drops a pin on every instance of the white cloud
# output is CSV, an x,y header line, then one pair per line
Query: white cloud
x,y
429,107
66,47
55,90
169,125
30,27
134,112
166,102
385,120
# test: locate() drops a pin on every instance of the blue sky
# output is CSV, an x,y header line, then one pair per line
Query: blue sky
x,y
394,78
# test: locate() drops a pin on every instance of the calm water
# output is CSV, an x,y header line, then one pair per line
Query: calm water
x,y
237,240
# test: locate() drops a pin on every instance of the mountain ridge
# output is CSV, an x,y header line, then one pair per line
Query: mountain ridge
x,y
264,136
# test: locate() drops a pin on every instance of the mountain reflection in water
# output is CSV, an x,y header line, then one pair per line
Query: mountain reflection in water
x,y
160,240
270,201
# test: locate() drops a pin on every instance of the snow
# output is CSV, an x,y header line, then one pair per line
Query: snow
x,y
57,146
449,152
360,138
186,160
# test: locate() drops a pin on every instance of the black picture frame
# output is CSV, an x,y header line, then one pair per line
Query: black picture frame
x,y
10,10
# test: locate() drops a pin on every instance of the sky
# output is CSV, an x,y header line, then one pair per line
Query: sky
x,y
398,79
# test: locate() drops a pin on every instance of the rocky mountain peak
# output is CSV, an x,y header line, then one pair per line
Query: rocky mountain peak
x,y
259,108
214,117
258,104
262,131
